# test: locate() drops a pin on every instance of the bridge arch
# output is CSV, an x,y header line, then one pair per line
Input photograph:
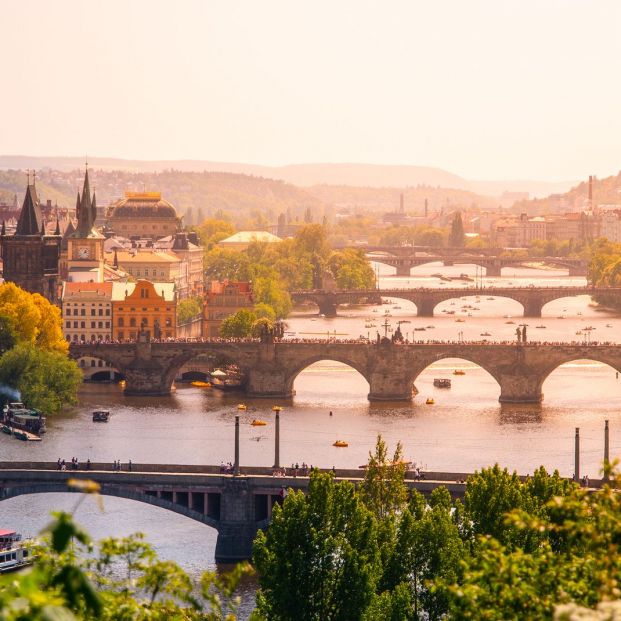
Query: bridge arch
x,y
551,300
459,358
116,491
293,373
593,355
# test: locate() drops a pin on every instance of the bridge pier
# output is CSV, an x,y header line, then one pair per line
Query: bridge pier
x,y
403,270
268,382
532,307
493,271
151,381
237,528
389,387
327,307
520,388
425,307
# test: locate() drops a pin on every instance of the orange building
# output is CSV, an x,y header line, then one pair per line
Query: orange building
x,y
221,300
143,306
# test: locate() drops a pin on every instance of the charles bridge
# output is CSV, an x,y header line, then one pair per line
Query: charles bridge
x,y
269,369
533,299
404,258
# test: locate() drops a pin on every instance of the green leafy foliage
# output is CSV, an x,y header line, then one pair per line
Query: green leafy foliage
x,y
238,325
456,236
116,580
188,309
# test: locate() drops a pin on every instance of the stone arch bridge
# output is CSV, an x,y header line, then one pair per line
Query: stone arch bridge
x,y
533,299
270,369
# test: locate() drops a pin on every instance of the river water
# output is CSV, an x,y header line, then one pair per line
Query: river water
x,y
465,429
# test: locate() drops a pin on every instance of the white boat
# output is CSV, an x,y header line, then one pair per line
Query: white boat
x,y
13,551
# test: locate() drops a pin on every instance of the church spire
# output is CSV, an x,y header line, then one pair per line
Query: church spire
x,y
84,209
3,230
57,229
30,219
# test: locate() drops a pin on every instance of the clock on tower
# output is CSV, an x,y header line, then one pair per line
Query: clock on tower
x,y
84,252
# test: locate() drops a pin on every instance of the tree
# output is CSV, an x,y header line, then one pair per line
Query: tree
x,y
32,318
47,380
212,230
319,559
383,489
238,325
188,309
351,269
457,238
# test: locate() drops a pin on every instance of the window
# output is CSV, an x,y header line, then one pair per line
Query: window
x,y
93,362
82,312
101,312
132,322
100,324
107,324
93,324
168,322
121,335
75,324
144,293
121,322
108,312
93,313
68,312
144,322
67,324
82,324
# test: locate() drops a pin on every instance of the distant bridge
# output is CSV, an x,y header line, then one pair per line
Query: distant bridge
x,y
404,258
533,299
270,369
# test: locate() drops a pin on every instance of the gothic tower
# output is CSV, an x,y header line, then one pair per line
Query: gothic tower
x,y
30,257
85,251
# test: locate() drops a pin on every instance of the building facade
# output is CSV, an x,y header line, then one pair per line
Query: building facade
x,y
221,300
87,311
31,257
153,265
143,308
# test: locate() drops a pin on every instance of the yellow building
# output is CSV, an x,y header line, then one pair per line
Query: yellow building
x,y
143,214
143,307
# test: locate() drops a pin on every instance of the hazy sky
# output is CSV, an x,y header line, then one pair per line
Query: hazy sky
x,y
488,89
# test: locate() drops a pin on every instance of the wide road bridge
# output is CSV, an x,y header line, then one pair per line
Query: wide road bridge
x,y
398,258
236,506
533,299
390,369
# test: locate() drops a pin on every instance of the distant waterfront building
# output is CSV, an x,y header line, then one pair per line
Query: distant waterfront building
x,y
224,298
152,265
241,240
143,307
31,257
143,214
87,311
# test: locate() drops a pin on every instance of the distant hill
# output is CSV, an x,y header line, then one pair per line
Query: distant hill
x,y
362,175
196,195
606,191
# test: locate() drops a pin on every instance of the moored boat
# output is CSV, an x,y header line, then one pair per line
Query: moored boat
x,y
459,372
200,384
430,401
17,416
341,444
14,552
101,416
442,382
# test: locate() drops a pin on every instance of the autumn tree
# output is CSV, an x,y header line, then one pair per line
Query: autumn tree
x,y
238,325
457,237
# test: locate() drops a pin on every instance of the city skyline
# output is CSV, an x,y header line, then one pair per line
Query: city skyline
x,y
485,90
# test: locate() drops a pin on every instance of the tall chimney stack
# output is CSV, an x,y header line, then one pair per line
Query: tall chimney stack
x,y
591,191
426,207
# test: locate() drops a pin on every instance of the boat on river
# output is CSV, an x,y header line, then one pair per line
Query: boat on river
x,y
442,382
242,406
101,416
459,372
14,552
257,422
341,444
430,401
541,327
227,380
200,384
18,417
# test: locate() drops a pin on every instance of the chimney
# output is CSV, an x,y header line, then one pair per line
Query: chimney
x,y
401,203
591,191
426,207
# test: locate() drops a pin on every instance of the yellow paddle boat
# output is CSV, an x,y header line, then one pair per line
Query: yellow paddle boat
x,y
200,384
276,408
242,406
258,423
341,443
430,401
459,372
